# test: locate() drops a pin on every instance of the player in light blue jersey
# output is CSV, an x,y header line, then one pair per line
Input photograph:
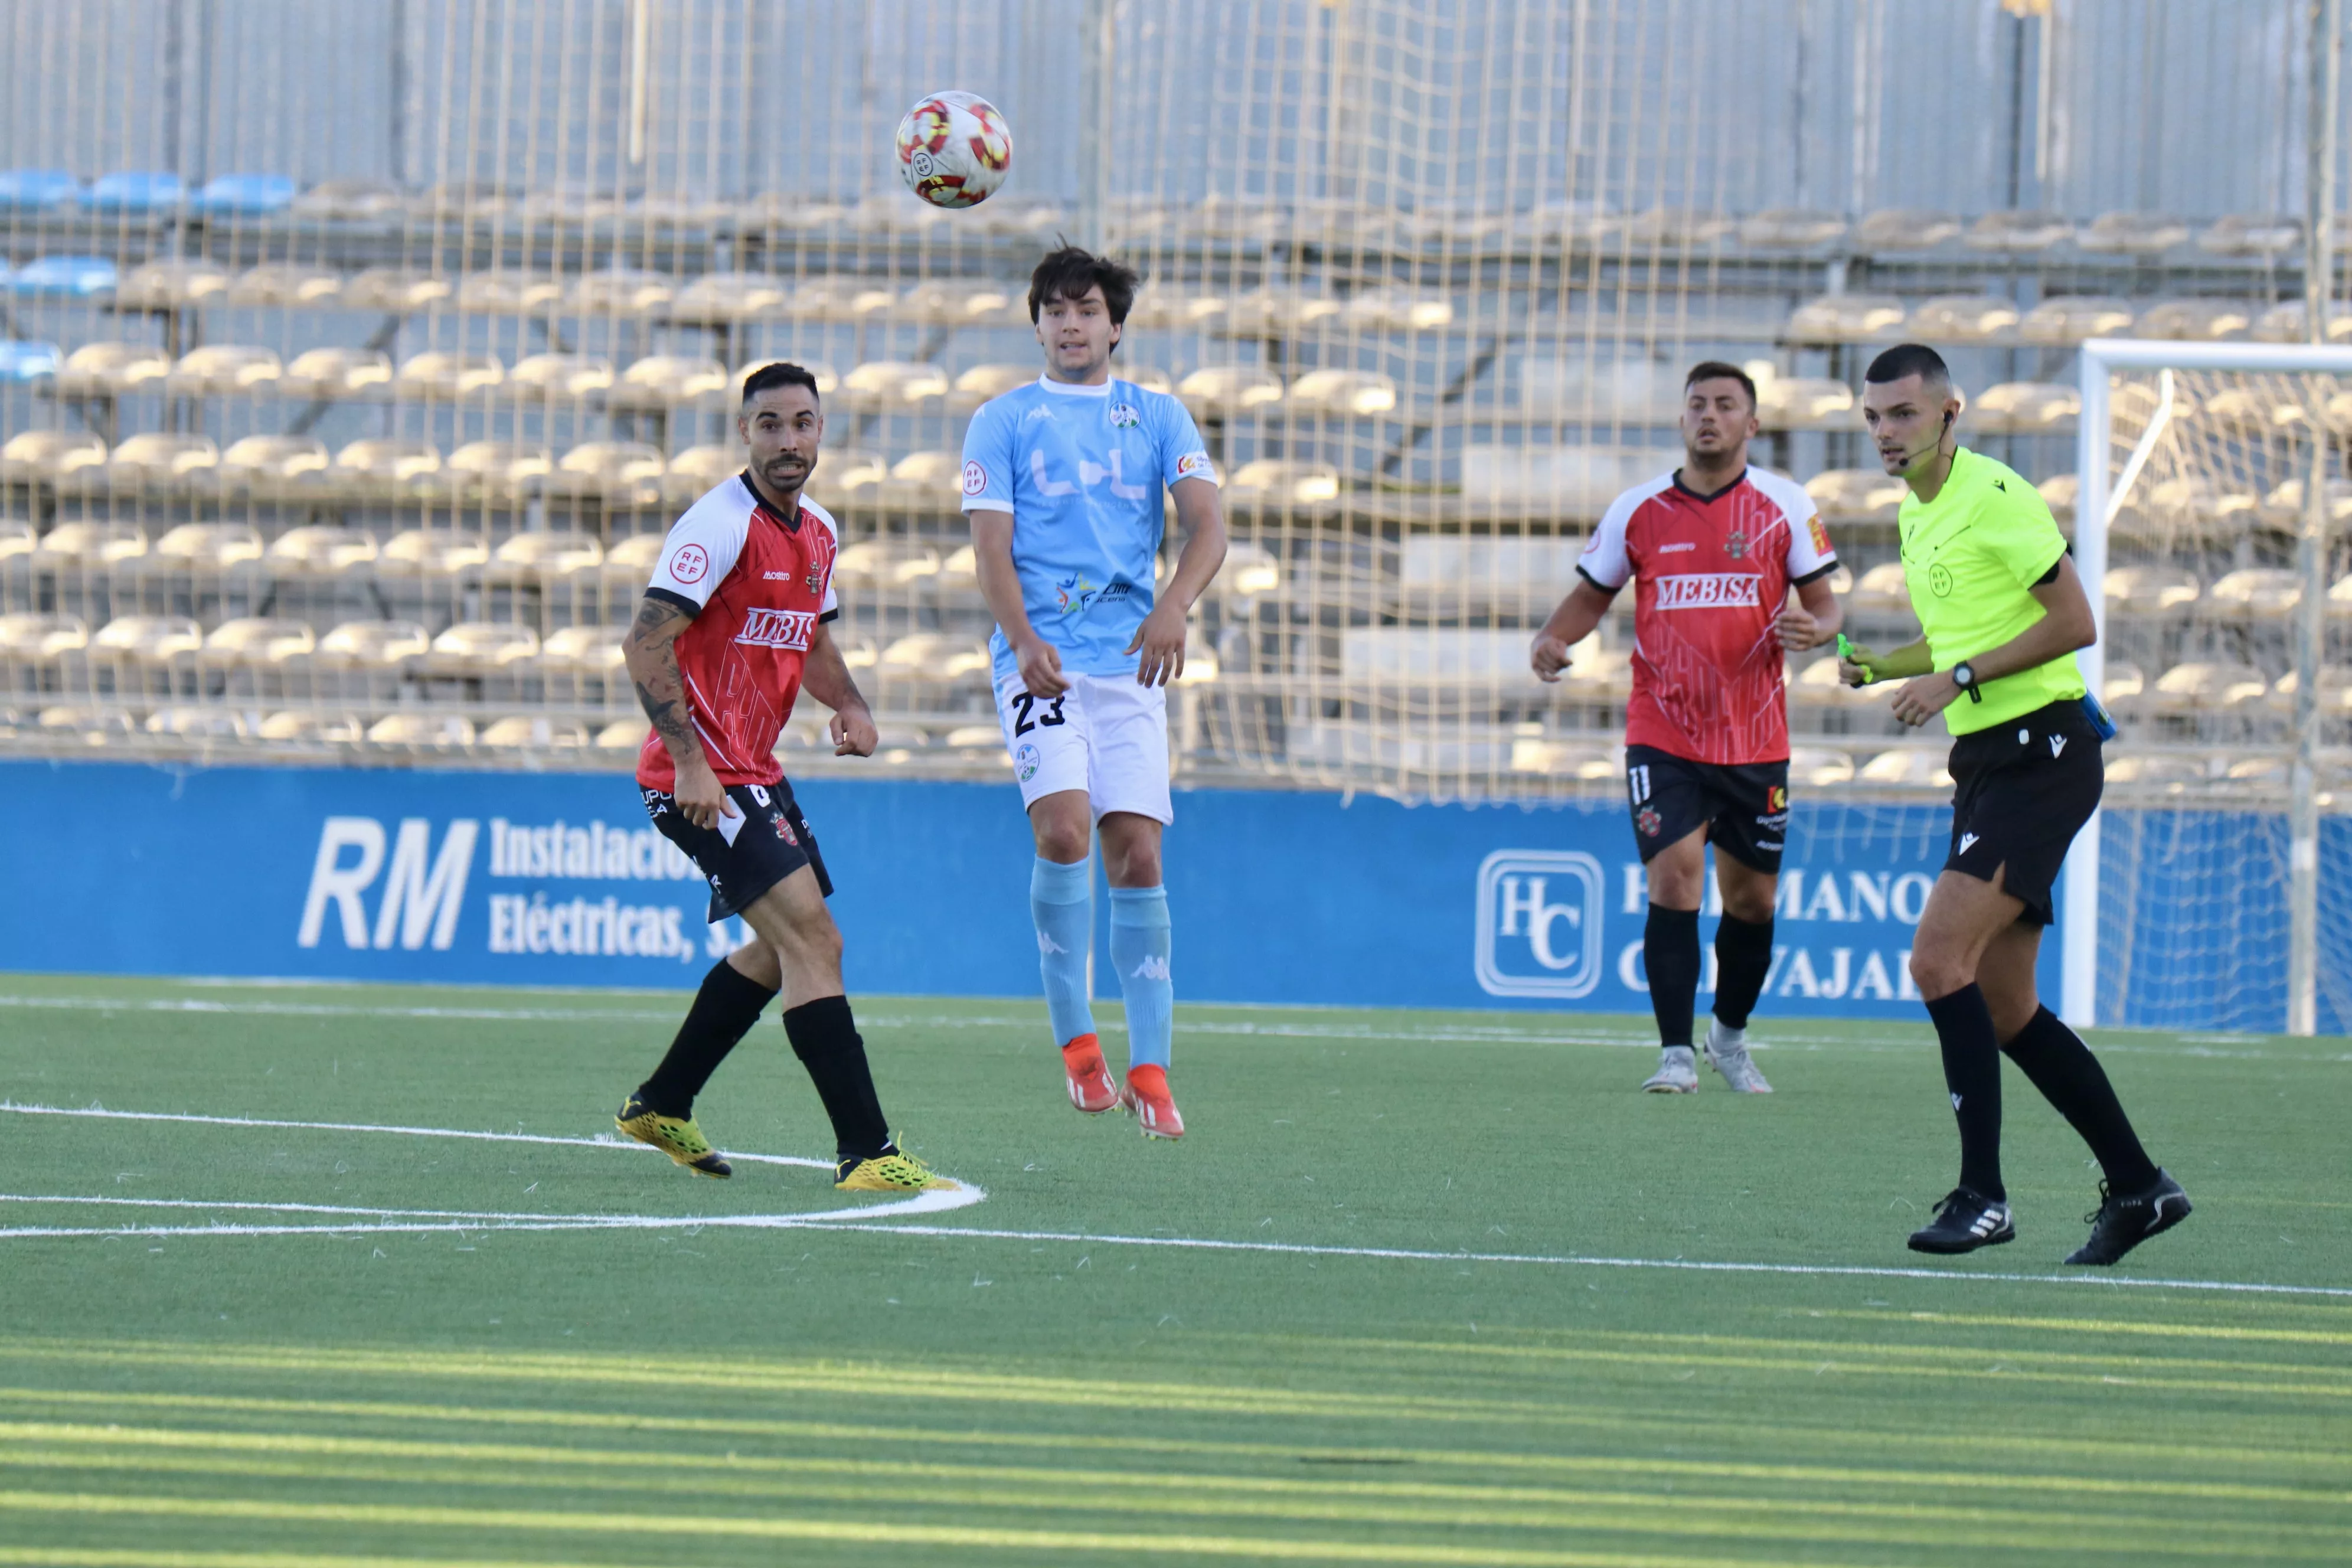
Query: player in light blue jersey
x,y
1063,480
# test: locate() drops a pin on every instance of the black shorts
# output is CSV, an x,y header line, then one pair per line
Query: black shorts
x,y
1744,807
774,842
2020,790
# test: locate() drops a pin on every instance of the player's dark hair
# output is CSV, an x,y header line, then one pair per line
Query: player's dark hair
x,y
781,372
1909,358
1716,370
1069,272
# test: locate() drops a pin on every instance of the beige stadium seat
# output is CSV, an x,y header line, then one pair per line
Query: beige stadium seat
x,y
381,466
666,380
17,537
621,291
960,569
2058,492
827,378
919,477
2252,234
432,553
1883,588
497,470
947,304
1397,310
309,726
616,473
2334,691
1905,228
111,370
1348,393
335,372
1847,319
483,201
1819,768
1818,686
1790,228
533,732
2151,590
1277,313
1864,494
2245,408
156,461
1679,229
623,735
47,457
884,563
982,382
1149,378
983,738
894,383
2283,325
2122,687
698,469
422,732
560,376
350,200
1280,480
1164,308
272,464
396,291
481,647
1229,389
281,285
2018,231
839,299
589,650
2195,320
221,369
2133,234
2068,319
2257,591
629,563
569,205
209,546
1800,402
171,285
934,658
2208,687
32,636
147,639
200,721
1961,318
723,299
508,291
438,373
88,543
321,549
546,554
2026,405
373,644
1916,766
2201,502
93,726
259,640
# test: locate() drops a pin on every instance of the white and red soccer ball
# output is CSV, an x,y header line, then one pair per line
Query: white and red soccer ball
x,y
954,148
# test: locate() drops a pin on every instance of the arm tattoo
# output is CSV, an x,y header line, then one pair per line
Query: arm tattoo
x,y
661,690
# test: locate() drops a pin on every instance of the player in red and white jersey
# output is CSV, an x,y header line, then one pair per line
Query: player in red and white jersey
x,y
733,624
1713,550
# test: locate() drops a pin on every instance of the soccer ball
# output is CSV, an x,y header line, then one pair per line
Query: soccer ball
x,y
954,148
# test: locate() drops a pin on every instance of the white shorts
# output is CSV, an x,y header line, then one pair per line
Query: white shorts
x,y
1106,735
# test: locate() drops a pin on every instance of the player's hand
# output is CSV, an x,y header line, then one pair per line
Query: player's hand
x,y
1855,666
699,798
1160,639
1922,699
1798,629
853,734
1041,667
1548,656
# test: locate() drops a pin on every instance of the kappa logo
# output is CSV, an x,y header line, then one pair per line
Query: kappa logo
x,y
1047,946
1153,968
1967,842
764,628
689,563
2057,744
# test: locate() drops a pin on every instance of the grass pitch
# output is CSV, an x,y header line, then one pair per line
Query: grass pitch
x,y
1401,1297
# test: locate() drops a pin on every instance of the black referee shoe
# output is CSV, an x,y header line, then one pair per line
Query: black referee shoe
x,y
2120,1224
1965,1220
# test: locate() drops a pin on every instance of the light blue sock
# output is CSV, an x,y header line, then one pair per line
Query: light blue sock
x,y
1139,951
1058,902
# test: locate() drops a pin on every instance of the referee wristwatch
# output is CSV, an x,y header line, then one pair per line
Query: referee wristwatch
x,y
1964,676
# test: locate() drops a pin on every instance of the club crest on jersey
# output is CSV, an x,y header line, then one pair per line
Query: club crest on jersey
x,y
764,628
1024,761
815,580
784,831
1649,822
1125,415
1735,544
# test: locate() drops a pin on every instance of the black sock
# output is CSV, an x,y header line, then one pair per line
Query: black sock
x,y
1743,957
2070,1077
1972,1072
724,1010
825,1037
1670,953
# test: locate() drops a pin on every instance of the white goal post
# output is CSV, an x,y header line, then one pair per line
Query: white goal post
x,y
2103,491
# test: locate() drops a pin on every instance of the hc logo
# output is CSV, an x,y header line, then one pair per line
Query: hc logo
x,y
1539,923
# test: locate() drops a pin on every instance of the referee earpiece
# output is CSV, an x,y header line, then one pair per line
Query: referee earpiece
x,y
1911,458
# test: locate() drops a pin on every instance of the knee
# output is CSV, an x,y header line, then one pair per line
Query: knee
x,y
1135,866
757,962
1675,886
1064,843
1748,904
1937,973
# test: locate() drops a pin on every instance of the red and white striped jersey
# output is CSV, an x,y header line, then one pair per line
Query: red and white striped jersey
x,y
757,586
1711,575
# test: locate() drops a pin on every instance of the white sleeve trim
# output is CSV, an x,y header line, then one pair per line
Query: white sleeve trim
x,y
987,503
704,544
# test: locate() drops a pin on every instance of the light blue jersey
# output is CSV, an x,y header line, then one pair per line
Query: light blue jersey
x,y
1081,470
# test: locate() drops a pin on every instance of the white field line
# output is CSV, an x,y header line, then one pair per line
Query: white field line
x,y
861,1219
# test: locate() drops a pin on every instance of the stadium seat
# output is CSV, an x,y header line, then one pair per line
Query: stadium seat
x,y
508,291
1903,229
933,658
1818,686
1397,310
621,291
422,732
1273,312
243,196
1279,480
534,733
157,461
480,202
87,543
396,291
2247,409
920,477
2259,592
135,191
1961,318
348,200
1162,308
2151,590
2017,232
569,206
111,370
309,726
1149,378
209,546
17,537
892,384
623,735
2122,686
2068,319
283,285
587,650
1791,229
2195,320
884,563
1847,319
629,561
827,379
2283,504
332,374
2199,502
259,640
2334,691
615,473
147,639
93,726
31,636
2141,234
443,373
200,721
1229,389
724,299
1797,402
48,457
2058,492
1819,768
171,286
21,361
954,304
497,470
382,468
838,299
380,645
64,277
1348,393
960,569
1250,570
27,190
2208,688
697,469
1678,228
2252,234
481,647
431,553
1858,494
982,382
2283,323
223,369
545,554
1883,588
321,549
666,380
559,375
2026,406
1914,766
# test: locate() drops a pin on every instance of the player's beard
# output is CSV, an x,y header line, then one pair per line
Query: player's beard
x,y
787,473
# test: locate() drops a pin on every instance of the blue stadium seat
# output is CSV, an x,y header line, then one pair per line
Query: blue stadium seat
x,y
63,277
27,361
135,190
29,190
245,195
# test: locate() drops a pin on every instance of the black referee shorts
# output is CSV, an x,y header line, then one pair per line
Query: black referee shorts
x,y
2020,790
773,842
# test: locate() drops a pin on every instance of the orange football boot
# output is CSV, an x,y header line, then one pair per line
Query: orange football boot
x,y
1092,1088
1148,1100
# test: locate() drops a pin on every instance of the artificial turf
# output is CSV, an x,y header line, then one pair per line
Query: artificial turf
x,y
1058,1391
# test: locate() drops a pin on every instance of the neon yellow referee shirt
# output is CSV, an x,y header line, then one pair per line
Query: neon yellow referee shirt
x,y
1970,558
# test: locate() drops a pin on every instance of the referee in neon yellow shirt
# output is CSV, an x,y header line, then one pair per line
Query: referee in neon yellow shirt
x,y
2002,613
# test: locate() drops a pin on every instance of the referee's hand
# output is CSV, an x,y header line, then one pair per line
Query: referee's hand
x,y
1922,699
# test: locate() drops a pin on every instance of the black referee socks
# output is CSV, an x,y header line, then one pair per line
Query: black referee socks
x,y
2071,1079
1743,957
825,1037
724,1010
1670,954
1972,1073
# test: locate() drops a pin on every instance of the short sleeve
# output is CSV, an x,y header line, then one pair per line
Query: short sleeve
x,y
1810,552
702,548
1605,563
1182,455
829,608
2019,531
988,458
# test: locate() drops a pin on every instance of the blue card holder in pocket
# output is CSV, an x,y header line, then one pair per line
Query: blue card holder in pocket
x,y
2100,720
